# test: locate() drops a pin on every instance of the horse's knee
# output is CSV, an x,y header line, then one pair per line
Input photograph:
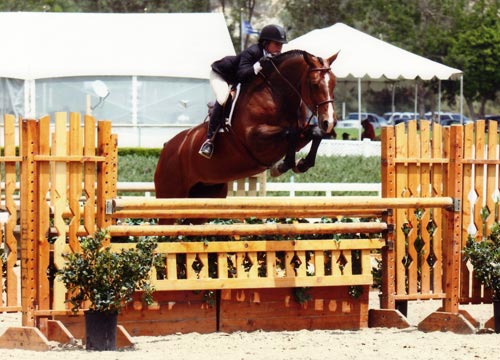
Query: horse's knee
x,y
279,168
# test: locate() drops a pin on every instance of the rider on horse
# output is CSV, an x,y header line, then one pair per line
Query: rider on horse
x,y
241,68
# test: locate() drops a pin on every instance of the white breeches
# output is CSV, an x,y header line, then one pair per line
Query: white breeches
x,y
220,87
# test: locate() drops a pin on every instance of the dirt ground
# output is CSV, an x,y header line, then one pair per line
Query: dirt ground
x,y
319,344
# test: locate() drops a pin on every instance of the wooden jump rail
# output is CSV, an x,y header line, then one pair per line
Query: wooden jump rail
x,y
278,207
331,259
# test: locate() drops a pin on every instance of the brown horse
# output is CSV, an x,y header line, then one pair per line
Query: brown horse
x,y
276,114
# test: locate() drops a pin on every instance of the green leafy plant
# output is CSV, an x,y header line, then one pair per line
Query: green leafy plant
x,y
107,279
3,261
377,275
302,295
355,291
484,256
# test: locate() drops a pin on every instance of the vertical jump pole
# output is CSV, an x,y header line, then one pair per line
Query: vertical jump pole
x,y
29,199
388,191
453,218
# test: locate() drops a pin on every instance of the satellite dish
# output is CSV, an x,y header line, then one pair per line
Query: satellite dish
x,y
100,88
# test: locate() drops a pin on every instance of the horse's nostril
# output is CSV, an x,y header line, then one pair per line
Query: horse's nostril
x,y
325,125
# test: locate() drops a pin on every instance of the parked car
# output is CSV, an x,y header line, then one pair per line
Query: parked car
x,y
348,124
377,121
447,118
494,118
399,117
387,115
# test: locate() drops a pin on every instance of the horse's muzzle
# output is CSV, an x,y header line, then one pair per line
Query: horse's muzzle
x,y
327,126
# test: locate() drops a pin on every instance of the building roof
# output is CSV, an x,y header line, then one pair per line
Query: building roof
x,y
49,45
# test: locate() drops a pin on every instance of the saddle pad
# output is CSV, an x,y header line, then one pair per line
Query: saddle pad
x,y
235,98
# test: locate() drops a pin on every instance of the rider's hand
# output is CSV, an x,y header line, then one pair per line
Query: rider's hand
x,y
265,58
257,67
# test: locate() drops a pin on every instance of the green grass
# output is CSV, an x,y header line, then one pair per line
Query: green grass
x,y
353,133
135,167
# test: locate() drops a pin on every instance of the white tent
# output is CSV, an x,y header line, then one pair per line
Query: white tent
x,y
366,57
153,68
49,45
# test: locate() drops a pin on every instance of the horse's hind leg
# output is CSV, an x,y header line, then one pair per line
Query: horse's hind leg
x,y
308,162
288,162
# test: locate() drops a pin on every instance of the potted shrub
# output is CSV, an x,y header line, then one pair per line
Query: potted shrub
x,y
102,282
484,256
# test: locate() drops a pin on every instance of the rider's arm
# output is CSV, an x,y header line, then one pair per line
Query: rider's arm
x,y
248,58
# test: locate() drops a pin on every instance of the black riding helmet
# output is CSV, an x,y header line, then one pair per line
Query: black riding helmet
x,y
273,33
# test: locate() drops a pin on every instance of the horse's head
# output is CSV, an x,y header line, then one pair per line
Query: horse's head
x,y
312,79
318,91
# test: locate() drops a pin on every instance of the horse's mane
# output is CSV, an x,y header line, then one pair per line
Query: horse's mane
x,y
278,59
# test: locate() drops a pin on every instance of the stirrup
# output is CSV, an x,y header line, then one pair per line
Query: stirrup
x,y
207,149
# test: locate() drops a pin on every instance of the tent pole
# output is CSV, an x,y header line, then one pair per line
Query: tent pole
x,y
439,98
393,107
29,98
416,98
461,99
359,108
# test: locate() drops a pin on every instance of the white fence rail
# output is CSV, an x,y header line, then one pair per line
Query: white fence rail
x,y
291,188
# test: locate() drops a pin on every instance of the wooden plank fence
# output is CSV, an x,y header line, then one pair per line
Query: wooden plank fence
x,y
435,182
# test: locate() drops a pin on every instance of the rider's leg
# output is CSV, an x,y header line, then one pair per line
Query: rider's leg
x,y
216,118
221,89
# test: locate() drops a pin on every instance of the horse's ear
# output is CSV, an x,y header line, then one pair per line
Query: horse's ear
x,y
308,58
332,58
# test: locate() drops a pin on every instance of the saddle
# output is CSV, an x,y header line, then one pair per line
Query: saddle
x,y
228,107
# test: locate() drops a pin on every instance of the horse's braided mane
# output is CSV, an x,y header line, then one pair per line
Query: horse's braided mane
x,y
278,59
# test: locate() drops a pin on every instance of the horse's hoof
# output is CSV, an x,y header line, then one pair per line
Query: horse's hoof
x,y
300,167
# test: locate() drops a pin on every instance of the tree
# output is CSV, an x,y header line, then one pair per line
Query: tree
x,y
303,16
116,6
475,51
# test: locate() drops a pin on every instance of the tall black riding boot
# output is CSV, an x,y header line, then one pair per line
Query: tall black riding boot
x,y
207,148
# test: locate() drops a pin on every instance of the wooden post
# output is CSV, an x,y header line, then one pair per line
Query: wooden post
x,y
388,190
42,178
89,175
107,176
9,237
453,231
29,210
59,200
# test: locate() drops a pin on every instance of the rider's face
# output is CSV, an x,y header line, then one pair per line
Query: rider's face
x,y
274,47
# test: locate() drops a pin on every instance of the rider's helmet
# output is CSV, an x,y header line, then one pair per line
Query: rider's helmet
x,y
273,33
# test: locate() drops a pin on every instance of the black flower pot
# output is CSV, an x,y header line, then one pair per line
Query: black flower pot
x,y
496,315
100,330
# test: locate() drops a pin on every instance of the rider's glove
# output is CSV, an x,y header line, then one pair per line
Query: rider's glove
x,y
257,67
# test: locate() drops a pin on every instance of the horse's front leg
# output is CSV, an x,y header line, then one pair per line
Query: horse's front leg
x,y
288,162
308,162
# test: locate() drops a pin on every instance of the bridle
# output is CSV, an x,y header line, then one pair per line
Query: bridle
x,y
316,107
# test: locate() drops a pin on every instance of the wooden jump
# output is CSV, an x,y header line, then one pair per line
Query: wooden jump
x,y
435,183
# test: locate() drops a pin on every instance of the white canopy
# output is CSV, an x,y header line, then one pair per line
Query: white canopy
x,y
364,57
48,45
